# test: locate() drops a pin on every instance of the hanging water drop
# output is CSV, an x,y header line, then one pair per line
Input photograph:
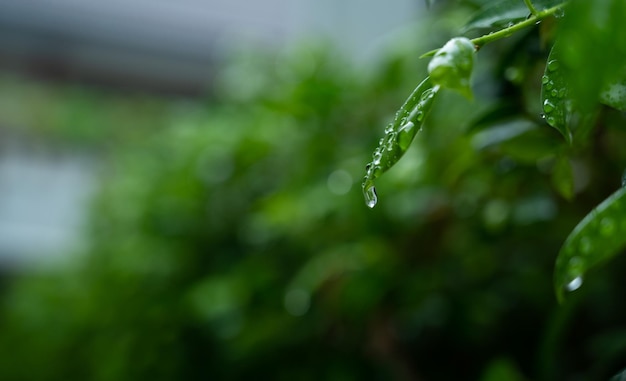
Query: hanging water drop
x,y
369,191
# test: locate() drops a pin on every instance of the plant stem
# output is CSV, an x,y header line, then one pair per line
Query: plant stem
x,y
506,32
530,6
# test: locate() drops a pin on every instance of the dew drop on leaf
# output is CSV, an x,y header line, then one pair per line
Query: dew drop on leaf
x,y
607,226
585,245
553,65
574,284
548,106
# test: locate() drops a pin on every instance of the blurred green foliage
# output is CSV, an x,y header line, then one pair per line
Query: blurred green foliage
x,y
230,241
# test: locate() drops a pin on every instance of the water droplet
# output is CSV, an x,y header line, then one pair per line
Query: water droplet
x,y
545,79
607,226
549,85
559,13
369,191
554,93
548,106
405,135
389,128
574,284
551,121
585,245
553,65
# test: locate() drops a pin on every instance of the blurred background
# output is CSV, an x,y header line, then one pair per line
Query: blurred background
x,y
180,200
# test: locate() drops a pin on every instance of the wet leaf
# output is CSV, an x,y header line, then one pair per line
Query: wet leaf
x,y
597,238
398,136
595,52
503,13
563,177
554,95
452,65
498,14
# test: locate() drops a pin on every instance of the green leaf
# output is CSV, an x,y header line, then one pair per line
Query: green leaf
x,y
398,136
593,49
554,95
614,94
452,65
497,15
503,13
597,238
563,177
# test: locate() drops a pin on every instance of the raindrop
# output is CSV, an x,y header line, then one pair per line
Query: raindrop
x,y
404,135
545,79
369,191
585,245
559,13
574,284
554,93
607,226
548,106
553,65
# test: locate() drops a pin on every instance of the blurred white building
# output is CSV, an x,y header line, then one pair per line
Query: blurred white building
x,y
162,45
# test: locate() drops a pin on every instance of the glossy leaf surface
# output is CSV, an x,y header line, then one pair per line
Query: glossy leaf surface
x,y
597,238
554,95
398,136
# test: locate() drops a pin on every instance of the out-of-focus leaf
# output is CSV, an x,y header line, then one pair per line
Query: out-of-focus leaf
x,y
554,95
614,94
498,14
399,135
501,132
452,65
503,13
621,376
597,238
519,138
563,177
593,52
